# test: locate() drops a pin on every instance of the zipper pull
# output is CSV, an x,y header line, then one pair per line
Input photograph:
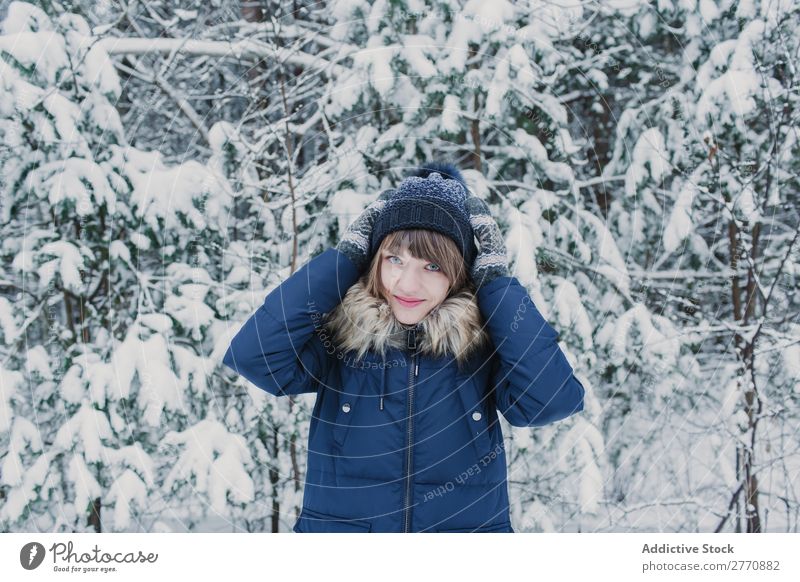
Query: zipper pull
x,y
412,339
412,345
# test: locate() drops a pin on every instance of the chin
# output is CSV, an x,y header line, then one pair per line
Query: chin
x,y
407,319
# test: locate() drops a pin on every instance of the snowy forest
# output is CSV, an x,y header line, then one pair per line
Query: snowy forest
x,y
165,164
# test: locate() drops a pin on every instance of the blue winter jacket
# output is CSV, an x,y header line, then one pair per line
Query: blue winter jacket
x,y
404,434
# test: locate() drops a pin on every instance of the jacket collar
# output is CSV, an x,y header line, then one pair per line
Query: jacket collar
x,y
362,322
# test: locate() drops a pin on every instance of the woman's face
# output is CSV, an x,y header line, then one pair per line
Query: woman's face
x,y
406,277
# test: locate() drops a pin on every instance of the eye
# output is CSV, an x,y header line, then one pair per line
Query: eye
x,y
390,257
435,265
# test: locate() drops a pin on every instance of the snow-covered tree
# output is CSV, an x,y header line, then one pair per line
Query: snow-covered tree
x,y
109,305
164,168
706,161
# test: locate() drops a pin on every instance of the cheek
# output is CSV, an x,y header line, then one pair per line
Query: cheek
x,y
439,288
386,277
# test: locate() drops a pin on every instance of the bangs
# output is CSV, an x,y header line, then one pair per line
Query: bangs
x,y
423,244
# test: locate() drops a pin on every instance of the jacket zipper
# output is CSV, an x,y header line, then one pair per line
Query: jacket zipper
x,y
412,374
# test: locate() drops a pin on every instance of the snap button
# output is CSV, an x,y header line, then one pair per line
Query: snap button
x,y
346,407
476,415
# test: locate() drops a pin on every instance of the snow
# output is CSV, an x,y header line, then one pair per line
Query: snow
x,y
185,14
213,461
25,17
158,322
99,69
37,361
451,114
458,45
498,88
717,61
583,444
528,147
125,489
23,483
649,161
8,324
85,430
414,52
377,12
189,212
537,517
347,205
365,137
680,223
118,250
791,361
162,196
17,93
68,180
72,388
345,9
734,88
522,240
522,438
570,313
10,382
69,263
376,59
102,115
521,64
192,371
709,11
140,241
158,383
188,308
476,183
612,265
489,16
652,334
731,95
45,51
87,489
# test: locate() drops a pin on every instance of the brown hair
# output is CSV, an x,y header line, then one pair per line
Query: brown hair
x,y
423,244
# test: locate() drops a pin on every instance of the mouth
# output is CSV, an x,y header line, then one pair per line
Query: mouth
x,y
408,302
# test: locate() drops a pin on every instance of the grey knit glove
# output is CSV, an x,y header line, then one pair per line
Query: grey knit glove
x,y
355,240
491,261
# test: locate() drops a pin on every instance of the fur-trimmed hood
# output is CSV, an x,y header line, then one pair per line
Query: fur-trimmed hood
x,y
362,322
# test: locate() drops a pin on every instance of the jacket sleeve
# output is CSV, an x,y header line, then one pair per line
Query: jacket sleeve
x,y
280,348
532,381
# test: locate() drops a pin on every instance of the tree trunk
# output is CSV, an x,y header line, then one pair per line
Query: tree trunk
x,y
94,515
273,479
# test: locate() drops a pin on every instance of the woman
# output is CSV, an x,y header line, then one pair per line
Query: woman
x,y
413,340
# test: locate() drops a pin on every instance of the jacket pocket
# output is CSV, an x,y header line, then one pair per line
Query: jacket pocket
x,y
348,407
351,403
311,521
504,527
477,415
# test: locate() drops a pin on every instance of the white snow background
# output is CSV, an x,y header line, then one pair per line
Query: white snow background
x,y
162,169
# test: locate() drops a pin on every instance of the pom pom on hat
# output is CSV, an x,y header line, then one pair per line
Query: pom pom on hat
x,y
446,169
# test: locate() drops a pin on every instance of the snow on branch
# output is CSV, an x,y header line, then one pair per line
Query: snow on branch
x,y
239,49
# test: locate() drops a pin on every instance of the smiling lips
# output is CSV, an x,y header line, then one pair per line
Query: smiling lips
x,y
408,302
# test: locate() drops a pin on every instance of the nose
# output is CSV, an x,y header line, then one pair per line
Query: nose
x,y
408,283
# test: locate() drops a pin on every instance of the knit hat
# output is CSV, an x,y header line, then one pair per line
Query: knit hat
x,y
433,197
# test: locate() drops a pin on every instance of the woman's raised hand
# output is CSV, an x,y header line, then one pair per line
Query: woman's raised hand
x,y
355,240
492,260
